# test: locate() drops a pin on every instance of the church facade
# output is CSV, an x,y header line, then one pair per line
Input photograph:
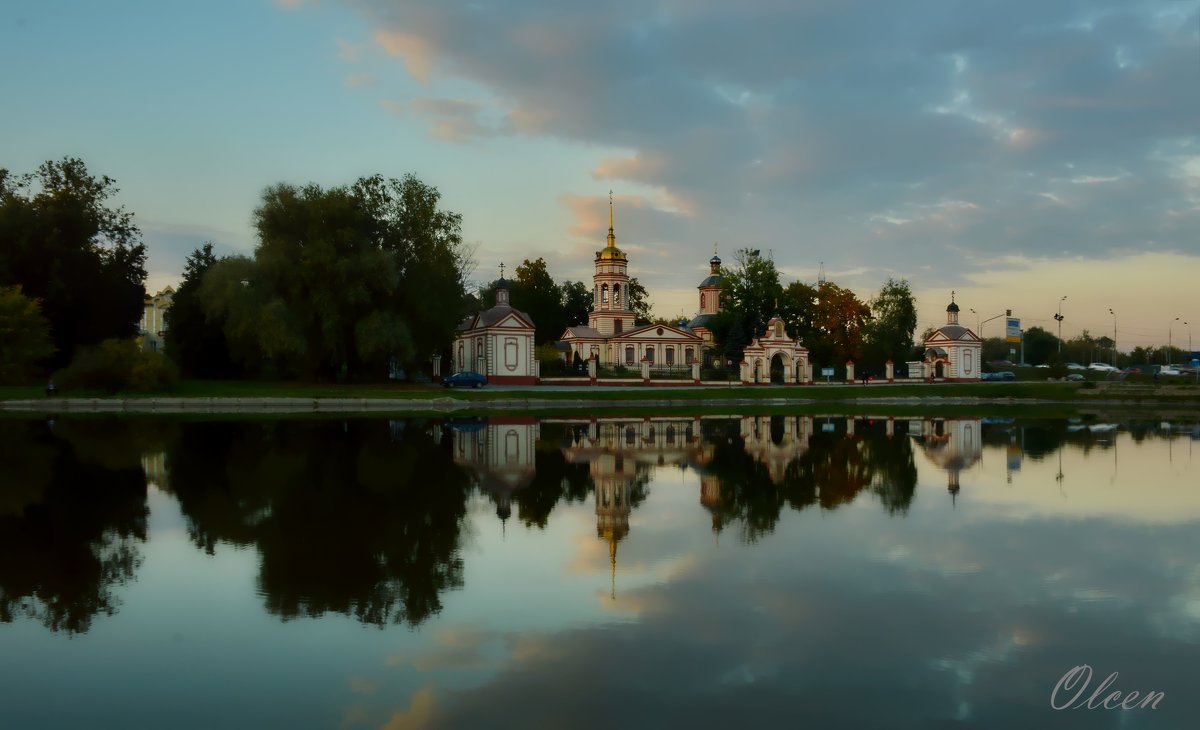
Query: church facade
x,y
611,337
953,352
497,343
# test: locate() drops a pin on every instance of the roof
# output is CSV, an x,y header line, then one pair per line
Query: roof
x,y
711,280
954,332
583,332
952,308
700,320
493,316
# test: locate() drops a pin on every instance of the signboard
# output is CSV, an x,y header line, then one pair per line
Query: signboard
x,y
1012,329
827,372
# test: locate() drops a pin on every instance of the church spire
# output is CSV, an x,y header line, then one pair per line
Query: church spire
x,y
612,239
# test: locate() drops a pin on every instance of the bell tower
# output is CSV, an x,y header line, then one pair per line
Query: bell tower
x,y
611,314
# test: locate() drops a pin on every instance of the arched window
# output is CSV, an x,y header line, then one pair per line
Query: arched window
x,y
630,436
670,356
630,358
702,300
689,355
604,293
616,295
650,355
779,329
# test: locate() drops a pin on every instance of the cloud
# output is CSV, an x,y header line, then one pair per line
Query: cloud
x,y
452,120
841,132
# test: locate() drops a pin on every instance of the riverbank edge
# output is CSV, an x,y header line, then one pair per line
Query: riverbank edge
x,y
217,405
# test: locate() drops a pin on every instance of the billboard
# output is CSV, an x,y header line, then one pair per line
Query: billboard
x,y
1012,330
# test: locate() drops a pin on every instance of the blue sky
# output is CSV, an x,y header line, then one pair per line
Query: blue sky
x,y
1015,152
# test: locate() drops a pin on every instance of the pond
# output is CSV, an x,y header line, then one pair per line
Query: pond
x,y
576,572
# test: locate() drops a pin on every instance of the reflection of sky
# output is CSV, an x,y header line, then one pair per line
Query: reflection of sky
x,y
965,612
1152,481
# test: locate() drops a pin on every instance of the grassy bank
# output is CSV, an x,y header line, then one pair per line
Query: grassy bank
x,y
1004,391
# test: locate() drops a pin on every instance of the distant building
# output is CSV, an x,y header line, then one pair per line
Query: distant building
x,y
710,303
153,331
953,352
497,342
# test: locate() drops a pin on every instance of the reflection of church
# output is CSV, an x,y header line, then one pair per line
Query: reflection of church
x,y
498,454
620,450
952,444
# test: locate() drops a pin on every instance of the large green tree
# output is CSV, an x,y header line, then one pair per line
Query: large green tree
x,y
889,333
196,342
344,280
65,244
751,290
24,336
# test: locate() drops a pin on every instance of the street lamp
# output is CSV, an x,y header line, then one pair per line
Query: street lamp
x,y
1170,326
1059,317
976,320
1114,347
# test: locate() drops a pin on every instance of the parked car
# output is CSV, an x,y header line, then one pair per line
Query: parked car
x,y
1102,366
1074,376
466,378
1132,371
1075,366
1168,370
1001,375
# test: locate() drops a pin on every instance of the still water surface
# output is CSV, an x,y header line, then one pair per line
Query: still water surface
x,y
673,571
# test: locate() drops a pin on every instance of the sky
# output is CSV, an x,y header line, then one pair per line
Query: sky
x,y
1013,152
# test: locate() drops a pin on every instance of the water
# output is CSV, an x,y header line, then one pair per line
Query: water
x,y
621,572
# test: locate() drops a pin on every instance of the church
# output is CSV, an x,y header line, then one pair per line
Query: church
x,y
610,335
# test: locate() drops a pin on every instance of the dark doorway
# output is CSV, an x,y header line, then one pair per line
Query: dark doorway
x,y
777,368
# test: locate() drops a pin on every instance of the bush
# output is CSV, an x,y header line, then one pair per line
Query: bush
x,y
116,365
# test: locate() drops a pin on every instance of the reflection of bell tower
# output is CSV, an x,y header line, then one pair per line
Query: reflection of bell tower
x,y
710,498
612,504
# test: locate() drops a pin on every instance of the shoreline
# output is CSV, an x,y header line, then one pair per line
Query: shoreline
x,y
293,405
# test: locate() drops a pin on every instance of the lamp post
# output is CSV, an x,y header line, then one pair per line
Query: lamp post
x,y
1170,326
1114,347
976,322
1059,317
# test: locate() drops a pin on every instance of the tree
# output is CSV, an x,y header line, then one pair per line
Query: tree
x,y
889,335
197,344
1039,345
24,336
343,280
431,260
576,303
638,303
62,241
829,320
536,294
752,290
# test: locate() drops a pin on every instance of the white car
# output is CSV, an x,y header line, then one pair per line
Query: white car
x,y
1165,370
1075,366
1102,366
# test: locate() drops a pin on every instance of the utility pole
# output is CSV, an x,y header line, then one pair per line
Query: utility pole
x,y
1059,317
1114,347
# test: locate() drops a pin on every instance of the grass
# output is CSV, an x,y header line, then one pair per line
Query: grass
x,y
1148,391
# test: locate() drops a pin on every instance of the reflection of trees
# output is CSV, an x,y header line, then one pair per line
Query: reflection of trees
x,y
349,517
830,470
556,479
72,512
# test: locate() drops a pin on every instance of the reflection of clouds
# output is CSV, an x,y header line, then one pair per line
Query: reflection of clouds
x,y
419,713
817,627
1132,482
